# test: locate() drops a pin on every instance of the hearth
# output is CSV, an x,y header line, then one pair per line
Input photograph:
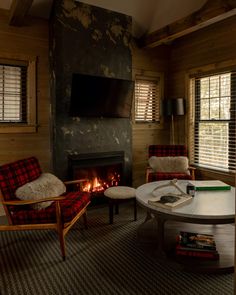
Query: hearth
x,y
103,170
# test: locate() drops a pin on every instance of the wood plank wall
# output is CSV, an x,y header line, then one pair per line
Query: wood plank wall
x,y
210,46
31,40
144,135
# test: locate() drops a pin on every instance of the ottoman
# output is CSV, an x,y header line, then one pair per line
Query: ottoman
x,y
117,193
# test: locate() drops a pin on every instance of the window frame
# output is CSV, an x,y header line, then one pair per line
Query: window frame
x,y
152,75
31,125
205,71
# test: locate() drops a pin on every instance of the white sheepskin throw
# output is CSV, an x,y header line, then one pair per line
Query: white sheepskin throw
x,y
47,185
169,164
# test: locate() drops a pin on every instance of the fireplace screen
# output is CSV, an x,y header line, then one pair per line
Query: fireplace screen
x,y
102,170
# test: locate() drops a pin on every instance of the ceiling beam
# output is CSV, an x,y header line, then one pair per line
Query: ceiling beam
x,y
210,13
18,11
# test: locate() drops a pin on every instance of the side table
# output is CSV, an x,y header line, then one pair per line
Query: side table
x,y
118,193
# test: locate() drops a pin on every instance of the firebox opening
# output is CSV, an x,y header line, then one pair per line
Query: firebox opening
x,y
99,178
103,170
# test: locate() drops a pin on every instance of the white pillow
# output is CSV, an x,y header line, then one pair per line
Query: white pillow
x,y
46,185
169,164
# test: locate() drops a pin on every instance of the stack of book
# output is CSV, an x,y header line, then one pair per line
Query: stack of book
x,y
196,245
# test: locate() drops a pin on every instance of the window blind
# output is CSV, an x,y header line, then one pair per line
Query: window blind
x,y
13,94
147,97
214,128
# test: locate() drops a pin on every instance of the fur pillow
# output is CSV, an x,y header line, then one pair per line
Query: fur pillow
x,y
169,164
46,185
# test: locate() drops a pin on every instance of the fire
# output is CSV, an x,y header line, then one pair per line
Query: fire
x,y
98,185
93,186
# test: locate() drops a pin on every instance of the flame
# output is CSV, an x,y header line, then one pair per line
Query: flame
x,y
87,187
97,185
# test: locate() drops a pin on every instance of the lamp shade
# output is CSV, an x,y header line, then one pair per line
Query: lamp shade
x,y
178,106
167,107
171,107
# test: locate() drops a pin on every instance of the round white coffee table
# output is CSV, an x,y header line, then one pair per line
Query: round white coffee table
x,y
214,208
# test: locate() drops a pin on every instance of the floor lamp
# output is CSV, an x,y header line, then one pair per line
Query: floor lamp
x,y
173,107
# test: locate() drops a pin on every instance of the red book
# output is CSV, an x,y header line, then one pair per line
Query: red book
x,y
212,255
180,247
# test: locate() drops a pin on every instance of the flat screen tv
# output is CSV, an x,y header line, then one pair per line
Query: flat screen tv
x,y
93,96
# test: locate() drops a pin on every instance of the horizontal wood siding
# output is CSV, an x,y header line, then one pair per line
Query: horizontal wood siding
x,y
30,40
210,46
144,135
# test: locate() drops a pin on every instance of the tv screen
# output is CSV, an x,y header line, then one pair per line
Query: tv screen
x,y
93,96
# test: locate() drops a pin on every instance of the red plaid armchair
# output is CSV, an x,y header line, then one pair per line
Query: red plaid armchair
x,y
168,151
64,211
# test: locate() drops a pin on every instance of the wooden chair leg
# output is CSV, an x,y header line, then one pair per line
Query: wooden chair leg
x,y
135,209
60,231
111,211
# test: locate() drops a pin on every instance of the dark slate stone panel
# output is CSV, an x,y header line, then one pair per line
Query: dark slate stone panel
x,y
89,40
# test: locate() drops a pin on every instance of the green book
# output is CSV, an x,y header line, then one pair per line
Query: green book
x,y
210,185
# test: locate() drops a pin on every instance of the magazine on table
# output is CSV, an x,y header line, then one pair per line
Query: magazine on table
x,y
196,241
169,196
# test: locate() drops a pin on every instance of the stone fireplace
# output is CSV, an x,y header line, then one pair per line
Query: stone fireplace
x,y
93,41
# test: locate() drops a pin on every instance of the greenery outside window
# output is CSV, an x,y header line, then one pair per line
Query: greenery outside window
x,y
213,143
17,95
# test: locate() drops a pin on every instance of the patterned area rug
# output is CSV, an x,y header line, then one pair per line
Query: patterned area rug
x,y
105,259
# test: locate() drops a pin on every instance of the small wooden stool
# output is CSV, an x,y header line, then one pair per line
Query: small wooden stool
x,y
118,193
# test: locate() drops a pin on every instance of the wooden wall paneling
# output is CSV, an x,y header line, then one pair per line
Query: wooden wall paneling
x,y
208,49
35,28
31,40
18,11
143,135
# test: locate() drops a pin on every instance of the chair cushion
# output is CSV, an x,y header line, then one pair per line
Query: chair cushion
x,y
73,203
169,164
120,192
46,185
155,176
16,174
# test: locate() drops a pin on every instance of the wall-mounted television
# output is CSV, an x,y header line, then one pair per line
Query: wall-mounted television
x,y
95,96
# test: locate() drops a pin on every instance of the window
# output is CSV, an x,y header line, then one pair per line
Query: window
x,y
13,94
147,99
214,125
17,95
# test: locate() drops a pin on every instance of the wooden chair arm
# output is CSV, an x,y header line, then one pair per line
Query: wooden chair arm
x,y
75,181
192,171
30,202
192,168
148,170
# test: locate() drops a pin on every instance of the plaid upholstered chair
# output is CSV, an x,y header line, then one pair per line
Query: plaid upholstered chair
x,y
60,214
171,152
